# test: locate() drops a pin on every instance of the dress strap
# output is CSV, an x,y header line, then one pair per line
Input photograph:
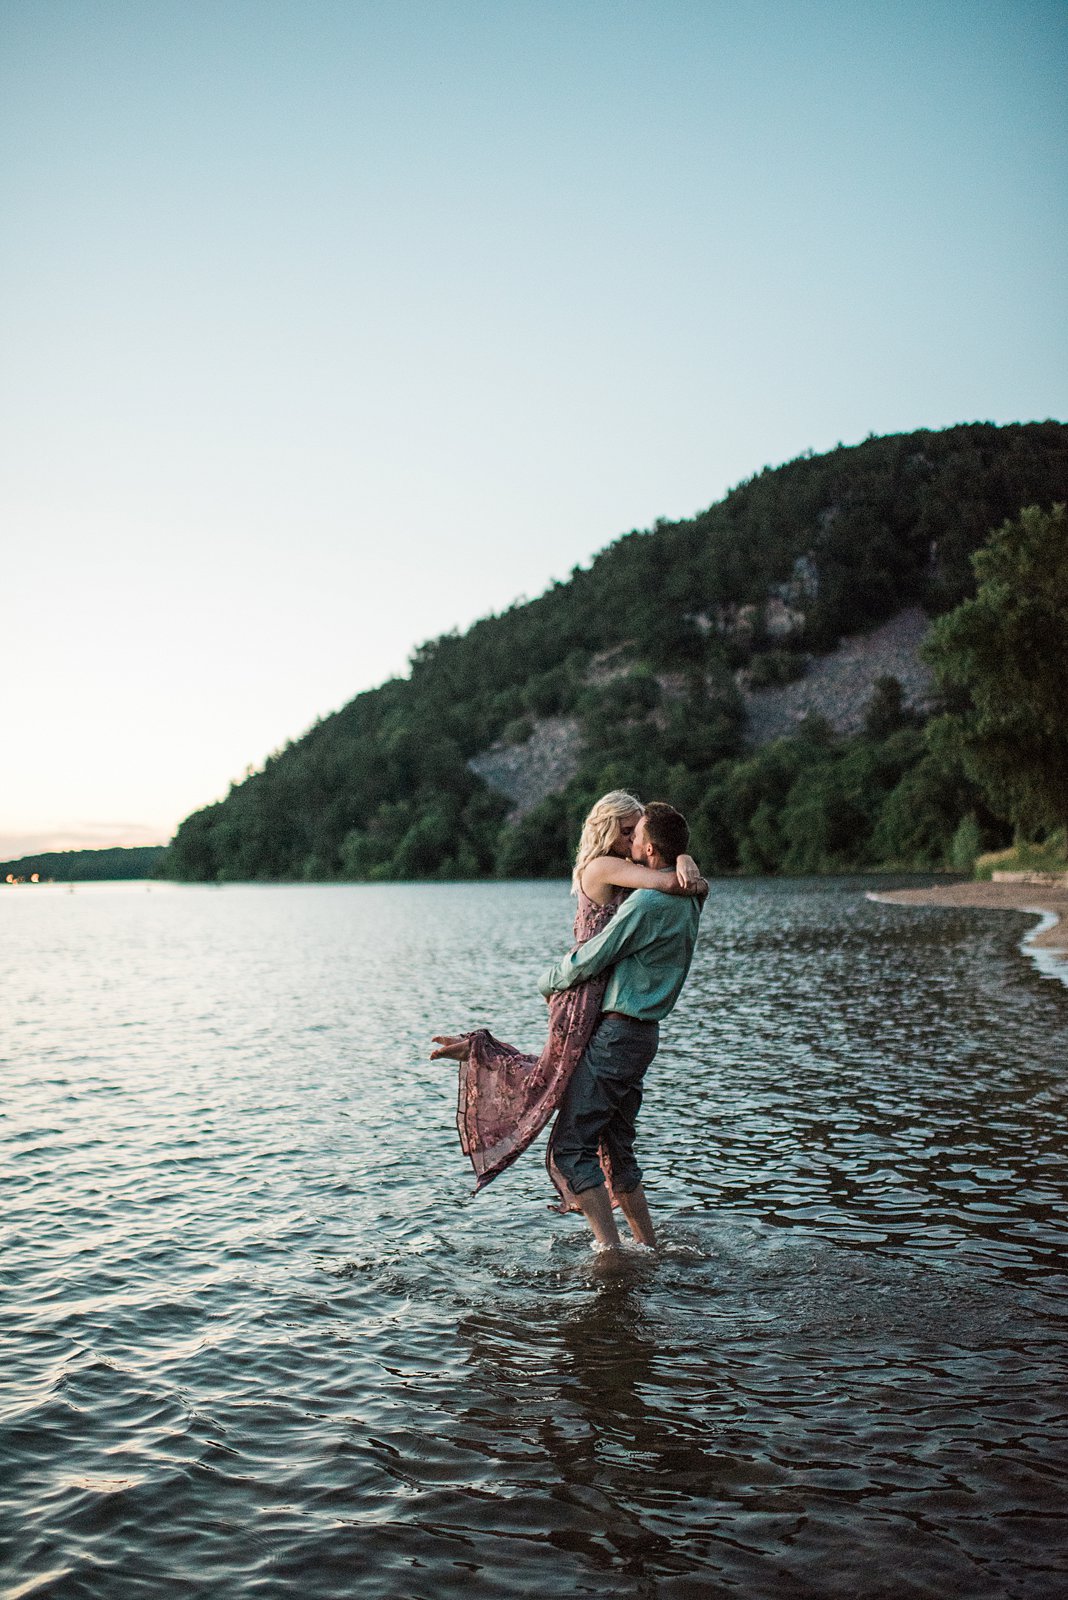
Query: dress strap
x,y
595,907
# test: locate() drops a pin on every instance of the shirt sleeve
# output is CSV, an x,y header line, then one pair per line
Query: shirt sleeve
x,y
623,934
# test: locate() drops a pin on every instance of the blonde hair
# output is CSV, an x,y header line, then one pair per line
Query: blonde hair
x,y
601,829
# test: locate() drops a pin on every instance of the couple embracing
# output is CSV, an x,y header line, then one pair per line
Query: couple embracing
x,y
639,903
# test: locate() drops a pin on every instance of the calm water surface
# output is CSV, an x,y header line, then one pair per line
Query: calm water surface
x,y
259,1341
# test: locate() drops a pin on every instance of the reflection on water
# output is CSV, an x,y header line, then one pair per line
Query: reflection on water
x,y
263,1341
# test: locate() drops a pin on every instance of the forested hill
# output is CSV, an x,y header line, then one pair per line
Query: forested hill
x,y
84,866
639,658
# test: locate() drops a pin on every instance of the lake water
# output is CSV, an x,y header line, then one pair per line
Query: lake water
x,y
260,1342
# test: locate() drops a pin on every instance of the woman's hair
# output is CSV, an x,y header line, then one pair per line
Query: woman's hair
x,y
601,829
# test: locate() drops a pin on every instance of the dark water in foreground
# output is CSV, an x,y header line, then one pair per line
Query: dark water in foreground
x,y
259,1343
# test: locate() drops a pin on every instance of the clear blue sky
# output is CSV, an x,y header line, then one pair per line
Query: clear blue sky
x,y
327,327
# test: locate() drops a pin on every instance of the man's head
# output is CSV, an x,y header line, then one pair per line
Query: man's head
x,y
661,836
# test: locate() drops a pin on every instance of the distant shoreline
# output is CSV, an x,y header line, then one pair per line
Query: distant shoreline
x,y
1033,898
115,863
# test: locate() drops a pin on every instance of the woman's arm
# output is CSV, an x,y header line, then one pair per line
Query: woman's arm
x,y
617,872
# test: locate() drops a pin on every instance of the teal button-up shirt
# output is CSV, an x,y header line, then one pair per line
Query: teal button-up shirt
x,y
648,945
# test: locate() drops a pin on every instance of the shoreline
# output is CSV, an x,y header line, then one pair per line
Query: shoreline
x,y
1034,899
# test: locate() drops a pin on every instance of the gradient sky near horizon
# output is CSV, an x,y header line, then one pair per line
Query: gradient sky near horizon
x,y
328,327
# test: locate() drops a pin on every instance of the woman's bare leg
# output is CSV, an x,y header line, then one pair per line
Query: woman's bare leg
x,y
456,1046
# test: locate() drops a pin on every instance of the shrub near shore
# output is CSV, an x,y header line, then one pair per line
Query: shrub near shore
x,y
1048,856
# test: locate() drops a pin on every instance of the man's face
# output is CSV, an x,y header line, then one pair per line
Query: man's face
x,y
639,842
625,842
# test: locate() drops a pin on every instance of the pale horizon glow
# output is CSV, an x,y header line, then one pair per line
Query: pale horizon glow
x,y
330,326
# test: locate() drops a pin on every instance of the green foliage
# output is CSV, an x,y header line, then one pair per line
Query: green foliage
x,y
86,866
918,819
381,789
966,844
814,803
1007,649
540,845
771,668
1046,855
518,731
886,711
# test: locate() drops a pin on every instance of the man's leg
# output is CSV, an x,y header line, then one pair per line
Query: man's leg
x,y
607,1078
636,1211
587,1106
619,1137
597,1209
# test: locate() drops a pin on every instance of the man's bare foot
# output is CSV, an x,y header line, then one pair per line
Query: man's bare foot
x,y
609,1261
453,1045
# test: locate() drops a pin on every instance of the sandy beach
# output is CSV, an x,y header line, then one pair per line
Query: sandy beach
x,y
1034,897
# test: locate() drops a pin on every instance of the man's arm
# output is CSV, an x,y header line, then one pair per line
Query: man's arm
x,y
627,931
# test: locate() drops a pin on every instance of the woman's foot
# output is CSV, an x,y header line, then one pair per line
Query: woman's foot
x,y
456,1046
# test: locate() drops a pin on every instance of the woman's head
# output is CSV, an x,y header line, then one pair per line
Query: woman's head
x,y
608,830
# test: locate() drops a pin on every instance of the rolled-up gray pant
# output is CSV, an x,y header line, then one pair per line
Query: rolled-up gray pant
x,y
601,1103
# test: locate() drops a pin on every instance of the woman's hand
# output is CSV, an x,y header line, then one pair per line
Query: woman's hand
x,y
688,873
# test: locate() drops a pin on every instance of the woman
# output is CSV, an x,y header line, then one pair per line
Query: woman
x,y
507,1097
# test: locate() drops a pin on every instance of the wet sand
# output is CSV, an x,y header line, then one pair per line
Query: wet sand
x,y
1034,897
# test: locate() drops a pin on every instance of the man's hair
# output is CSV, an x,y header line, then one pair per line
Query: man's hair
x,y
667,830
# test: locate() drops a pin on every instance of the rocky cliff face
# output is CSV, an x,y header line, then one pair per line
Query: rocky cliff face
x,y
542,765
837,686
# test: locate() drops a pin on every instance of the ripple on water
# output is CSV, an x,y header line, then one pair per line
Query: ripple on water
x,y
262,1339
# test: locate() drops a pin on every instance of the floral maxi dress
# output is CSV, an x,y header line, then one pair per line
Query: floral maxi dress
x,y
507,1097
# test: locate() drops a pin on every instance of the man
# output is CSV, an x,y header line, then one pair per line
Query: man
x,y
646,949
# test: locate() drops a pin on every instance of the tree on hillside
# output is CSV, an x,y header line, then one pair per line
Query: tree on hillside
x,y
1007,649
886,711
